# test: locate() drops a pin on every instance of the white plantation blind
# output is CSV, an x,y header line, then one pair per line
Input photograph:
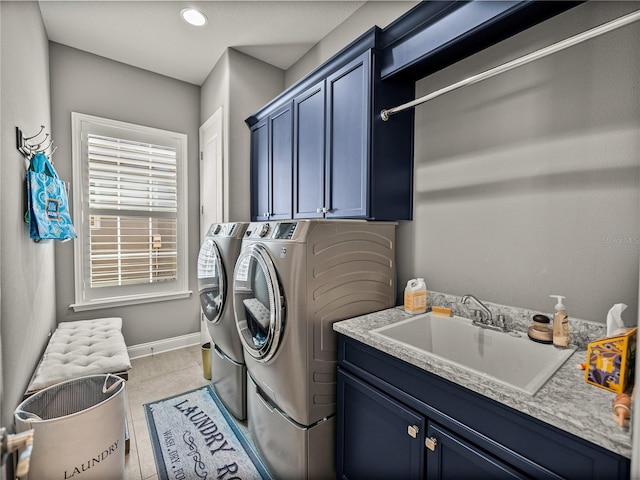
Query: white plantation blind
x,y
133,205
132,208
125,175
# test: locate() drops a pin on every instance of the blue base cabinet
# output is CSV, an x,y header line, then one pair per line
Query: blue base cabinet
x,y
395,420
381,438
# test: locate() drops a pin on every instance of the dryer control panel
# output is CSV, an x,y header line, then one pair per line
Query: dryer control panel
x,y
271,230
284,230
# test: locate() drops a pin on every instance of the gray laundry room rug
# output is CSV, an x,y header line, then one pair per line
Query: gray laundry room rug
x,y
195,438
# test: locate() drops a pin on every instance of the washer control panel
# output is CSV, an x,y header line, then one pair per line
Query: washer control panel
x,y
222,229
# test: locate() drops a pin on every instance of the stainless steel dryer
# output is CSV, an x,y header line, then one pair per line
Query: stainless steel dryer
x,y
292,281
216,261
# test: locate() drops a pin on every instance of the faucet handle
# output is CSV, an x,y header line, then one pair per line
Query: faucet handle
x,y
477,315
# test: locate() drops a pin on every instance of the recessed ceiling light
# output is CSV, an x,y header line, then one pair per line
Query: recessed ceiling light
x,y
193,16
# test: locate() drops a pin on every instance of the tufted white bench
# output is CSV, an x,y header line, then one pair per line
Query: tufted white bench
x,y
84,347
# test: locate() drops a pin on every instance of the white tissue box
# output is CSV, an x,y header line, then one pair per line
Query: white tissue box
x,y
611,360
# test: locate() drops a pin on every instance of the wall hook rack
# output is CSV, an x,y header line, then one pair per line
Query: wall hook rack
x,y
29,146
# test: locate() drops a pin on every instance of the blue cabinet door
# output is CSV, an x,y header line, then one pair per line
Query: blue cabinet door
x,y
348,127
271,166
308,157
450,456
281,163
260,171
378,437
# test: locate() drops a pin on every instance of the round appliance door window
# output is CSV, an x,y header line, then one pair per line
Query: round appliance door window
x,y
258,303
212,286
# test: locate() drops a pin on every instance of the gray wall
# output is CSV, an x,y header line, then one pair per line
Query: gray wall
x,y
27,283
526,184
377,12
241,85
86,83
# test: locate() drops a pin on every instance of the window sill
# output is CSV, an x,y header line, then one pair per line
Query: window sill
x,y
129,300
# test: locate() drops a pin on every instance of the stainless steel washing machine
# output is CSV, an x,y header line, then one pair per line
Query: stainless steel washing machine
x,y
292,281
216,261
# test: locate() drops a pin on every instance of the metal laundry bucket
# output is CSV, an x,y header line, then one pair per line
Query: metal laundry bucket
x,y
79,429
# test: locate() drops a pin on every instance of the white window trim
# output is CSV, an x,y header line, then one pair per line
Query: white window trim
x,y
80,199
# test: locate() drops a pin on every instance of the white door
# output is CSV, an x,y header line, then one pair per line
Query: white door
x,y
211,160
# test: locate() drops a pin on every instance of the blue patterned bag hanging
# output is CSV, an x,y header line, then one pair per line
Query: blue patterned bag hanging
x,y
48,206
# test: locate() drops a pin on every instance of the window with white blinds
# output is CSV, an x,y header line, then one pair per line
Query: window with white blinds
x,y
132,212
133,204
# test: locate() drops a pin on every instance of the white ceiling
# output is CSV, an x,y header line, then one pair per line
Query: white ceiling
x,y
151,34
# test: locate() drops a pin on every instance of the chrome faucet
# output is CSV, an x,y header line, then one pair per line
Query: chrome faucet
x,y
479,320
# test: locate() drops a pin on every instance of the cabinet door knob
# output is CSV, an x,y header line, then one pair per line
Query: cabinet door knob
x,y
413,431
431,443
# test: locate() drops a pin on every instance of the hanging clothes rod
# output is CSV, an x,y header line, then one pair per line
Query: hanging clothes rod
x,y
505,67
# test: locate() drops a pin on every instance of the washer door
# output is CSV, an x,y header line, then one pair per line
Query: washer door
x,y
258,303
212,286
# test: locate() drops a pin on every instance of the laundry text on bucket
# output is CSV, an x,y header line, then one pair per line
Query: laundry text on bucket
x,y
93,461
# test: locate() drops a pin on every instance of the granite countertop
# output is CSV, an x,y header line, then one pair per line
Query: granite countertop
x,y
565,401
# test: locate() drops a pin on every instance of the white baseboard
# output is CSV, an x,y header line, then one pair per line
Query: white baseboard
x,y
166,345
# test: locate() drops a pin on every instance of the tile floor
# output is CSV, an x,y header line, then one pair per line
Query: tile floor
x,y
152,378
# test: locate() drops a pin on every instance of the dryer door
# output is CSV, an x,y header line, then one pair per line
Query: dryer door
x,y
212,285
258,303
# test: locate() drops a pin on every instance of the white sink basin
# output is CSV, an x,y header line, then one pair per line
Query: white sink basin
x,y
513,361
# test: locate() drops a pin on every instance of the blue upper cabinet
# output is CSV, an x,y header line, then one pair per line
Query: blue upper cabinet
x,y
335,157
341,149
331,149
271,165
343,160
309,138
348,140
260,178
281,136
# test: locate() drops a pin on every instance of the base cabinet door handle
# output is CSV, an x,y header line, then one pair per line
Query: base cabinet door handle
x,y
430,443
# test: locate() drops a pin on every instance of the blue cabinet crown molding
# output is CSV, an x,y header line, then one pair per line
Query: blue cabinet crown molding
x,y
434,35
367,41
429,37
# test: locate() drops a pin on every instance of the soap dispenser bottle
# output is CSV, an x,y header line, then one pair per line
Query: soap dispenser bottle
x,y
560,323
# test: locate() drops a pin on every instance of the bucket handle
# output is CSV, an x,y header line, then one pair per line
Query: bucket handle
x,y
116,384
24,415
